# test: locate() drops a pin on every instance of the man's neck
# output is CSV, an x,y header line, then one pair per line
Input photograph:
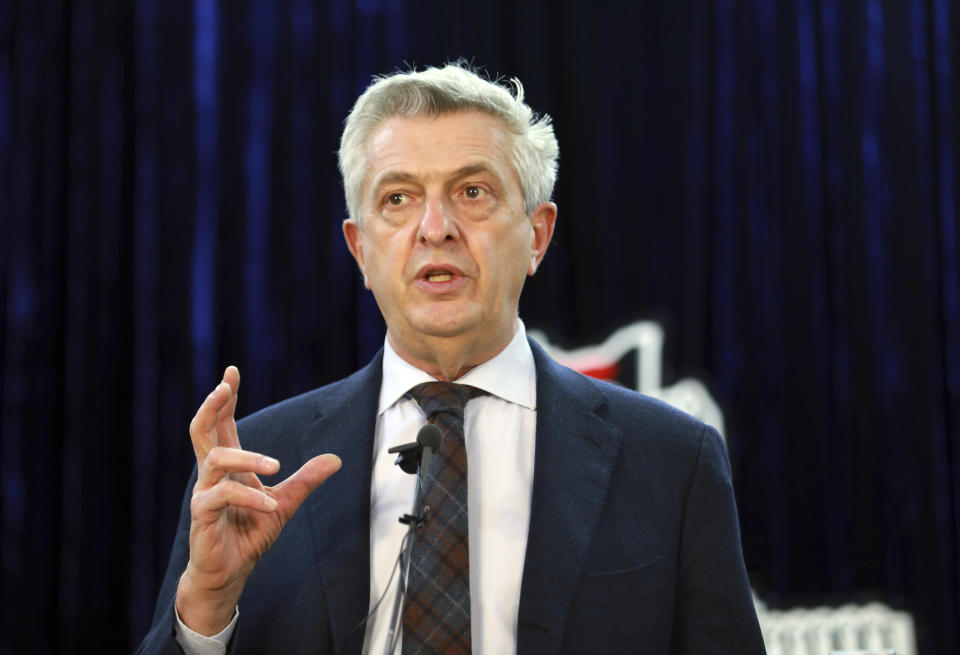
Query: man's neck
x,y
448,359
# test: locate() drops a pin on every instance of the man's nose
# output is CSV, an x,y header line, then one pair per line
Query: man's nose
x,y
437,225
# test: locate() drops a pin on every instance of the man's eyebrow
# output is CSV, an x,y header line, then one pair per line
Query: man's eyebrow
x,y
392,178
474,169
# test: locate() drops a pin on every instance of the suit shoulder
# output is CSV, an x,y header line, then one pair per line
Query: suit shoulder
x,y
653,409
652,423
654,431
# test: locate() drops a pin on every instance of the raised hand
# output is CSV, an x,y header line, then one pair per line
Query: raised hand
x,y
234,517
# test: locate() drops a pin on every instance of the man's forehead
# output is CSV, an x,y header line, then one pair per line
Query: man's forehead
x,y
464,125
455,144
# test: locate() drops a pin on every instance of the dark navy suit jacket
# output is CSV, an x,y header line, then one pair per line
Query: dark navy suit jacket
x,y
633,546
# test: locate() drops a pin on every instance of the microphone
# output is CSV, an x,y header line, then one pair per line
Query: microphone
x,y
416,455
428,439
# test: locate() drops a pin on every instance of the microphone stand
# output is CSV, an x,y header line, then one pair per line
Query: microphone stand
x,y
409,461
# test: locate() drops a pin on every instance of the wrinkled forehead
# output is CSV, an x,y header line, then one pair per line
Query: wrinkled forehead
x,y
438,144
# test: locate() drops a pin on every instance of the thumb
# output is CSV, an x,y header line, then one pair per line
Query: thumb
x,y
291,493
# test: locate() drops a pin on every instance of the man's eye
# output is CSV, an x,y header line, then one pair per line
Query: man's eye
x,y
396,198
473,192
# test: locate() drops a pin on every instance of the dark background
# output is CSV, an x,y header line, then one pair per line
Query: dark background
x,y
775,181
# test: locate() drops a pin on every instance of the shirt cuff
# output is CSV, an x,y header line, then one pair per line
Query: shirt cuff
x,y
194,643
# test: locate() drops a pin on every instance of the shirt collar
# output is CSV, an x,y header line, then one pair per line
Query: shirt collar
x,y
510,375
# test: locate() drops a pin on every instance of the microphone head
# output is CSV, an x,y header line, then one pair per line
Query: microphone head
x,y
430,437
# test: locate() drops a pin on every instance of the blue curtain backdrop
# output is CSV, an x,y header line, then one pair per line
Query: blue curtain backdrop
x,y
776,181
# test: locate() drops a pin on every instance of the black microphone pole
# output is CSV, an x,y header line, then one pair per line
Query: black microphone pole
x,y
428,442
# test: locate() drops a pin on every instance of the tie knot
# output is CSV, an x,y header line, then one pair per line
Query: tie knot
x,y
443,397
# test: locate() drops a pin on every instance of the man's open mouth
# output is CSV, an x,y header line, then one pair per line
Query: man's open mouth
x,y
438,277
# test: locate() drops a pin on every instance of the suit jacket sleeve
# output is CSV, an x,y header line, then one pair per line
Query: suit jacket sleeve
x,y
160,640
715,611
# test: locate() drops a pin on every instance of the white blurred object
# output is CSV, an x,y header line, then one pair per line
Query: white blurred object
x,y
646,339
868,629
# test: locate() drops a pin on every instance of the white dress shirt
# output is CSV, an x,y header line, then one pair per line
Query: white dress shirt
x,y
499,431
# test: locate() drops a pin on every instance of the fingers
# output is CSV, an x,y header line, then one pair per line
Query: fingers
x,y
215,489
226,423
231,375
228,477
221,461
214,424
294,490
229,492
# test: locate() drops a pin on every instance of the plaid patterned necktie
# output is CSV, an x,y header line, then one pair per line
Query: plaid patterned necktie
x,y
436,617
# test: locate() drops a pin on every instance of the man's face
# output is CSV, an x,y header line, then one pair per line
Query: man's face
x,y
444,243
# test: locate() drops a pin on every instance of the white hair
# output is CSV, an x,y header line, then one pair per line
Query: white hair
x,y
450,89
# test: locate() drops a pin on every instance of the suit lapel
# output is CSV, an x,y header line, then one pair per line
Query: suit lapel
x,y
575,453
344,423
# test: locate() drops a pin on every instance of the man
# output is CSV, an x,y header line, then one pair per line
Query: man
x,y
599,520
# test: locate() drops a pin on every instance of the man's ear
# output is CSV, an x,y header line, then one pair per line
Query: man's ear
x,y
543,219
353,234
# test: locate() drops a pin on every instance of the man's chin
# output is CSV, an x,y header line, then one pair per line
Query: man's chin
x,y
444,319
442,329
